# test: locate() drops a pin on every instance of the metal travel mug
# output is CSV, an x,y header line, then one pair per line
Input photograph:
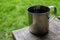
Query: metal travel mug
x,y
39,19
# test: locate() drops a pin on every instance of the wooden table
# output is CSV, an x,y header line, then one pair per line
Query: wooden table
x,y
54,32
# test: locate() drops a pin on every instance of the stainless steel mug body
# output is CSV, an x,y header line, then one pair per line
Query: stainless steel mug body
x,y
40,19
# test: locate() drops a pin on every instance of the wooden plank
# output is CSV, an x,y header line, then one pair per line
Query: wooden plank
x,y
54,32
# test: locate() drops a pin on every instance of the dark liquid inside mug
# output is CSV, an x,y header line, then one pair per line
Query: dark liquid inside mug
x,y
38,9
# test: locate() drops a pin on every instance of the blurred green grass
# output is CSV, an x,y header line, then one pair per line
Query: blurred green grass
x,y
14,15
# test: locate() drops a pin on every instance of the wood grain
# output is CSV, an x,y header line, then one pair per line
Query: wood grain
x,y
54,32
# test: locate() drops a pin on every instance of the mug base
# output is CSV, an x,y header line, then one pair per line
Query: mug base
x,y
40,34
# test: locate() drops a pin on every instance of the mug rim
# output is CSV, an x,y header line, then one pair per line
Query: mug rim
x,y
29,9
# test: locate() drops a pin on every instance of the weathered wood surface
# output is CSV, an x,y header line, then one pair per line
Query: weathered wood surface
x,y
54,32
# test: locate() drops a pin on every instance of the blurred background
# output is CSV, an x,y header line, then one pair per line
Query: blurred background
x,y
14,15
